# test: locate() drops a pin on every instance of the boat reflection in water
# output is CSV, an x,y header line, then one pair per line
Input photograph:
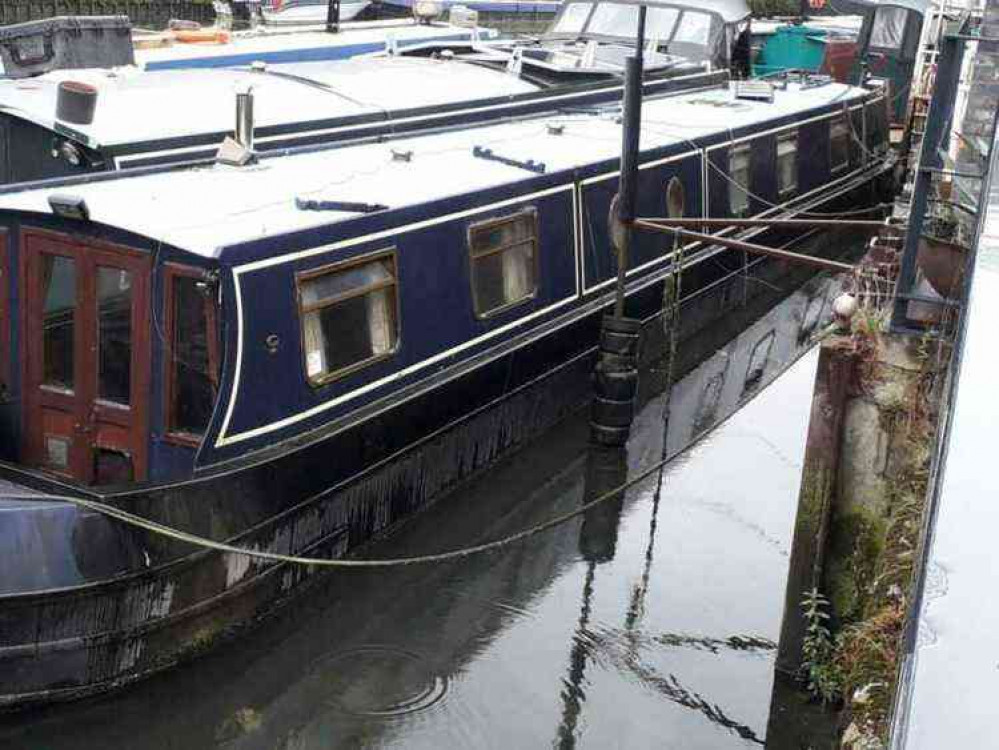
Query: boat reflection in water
x,y
649,622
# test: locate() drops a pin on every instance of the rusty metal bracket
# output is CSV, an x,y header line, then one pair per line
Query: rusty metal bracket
x,y
749,247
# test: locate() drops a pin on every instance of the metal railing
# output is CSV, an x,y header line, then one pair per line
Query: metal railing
x,y
947,183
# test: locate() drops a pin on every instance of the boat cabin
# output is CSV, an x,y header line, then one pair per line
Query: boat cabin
x,y
697,33
888,45
170,324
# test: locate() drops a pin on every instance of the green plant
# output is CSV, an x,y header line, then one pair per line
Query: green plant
x,y
818,668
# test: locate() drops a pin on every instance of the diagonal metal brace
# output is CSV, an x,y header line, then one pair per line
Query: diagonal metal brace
x,y
481,152
749,247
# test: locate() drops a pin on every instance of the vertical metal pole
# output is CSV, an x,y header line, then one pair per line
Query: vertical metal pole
x,y
333,16
631,131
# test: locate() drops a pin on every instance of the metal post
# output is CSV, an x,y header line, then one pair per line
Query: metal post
x,y
628,185
333,16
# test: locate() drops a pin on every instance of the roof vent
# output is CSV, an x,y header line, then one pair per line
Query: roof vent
x,y
76,102
759,91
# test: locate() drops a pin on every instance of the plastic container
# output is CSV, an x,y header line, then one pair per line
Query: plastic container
x,y
65,43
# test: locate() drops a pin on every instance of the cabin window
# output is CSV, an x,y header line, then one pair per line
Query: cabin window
x,y
504,261
888,28
349,316
573,18
614,19
659,23
192,361
694,28
739,162
787,164
59,322
839,144
674,198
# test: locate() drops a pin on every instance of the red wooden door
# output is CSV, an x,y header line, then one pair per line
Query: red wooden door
x,y
85,348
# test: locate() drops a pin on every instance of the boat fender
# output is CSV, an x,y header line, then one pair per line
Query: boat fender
x,y
615,381
205,36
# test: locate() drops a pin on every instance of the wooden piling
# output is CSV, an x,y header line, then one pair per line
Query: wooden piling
x,y
816,497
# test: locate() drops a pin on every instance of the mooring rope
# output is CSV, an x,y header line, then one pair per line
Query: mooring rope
x,y
183,536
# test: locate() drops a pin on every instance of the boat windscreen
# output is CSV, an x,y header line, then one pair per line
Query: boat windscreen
x,y
619,21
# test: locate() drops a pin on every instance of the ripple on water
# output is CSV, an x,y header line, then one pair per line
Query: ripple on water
x,y
380,681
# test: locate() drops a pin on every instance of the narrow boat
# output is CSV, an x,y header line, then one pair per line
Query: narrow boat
x,y
146,118
298,354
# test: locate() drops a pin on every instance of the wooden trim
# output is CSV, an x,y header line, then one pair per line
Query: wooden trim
x,y
475,254
172,271
338,267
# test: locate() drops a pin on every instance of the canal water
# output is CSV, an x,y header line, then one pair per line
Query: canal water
x,y
648,623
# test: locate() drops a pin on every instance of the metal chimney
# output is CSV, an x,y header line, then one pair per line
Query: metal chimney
x,y
244,118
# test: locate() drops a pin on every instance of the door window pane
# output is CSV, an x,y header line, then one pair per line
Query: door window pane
x,y
193,391
59,288
348,318
114,334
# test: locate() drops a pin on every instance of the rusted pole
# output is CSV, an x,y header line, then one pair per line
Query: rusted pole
x,y
737,222
749,247
631,105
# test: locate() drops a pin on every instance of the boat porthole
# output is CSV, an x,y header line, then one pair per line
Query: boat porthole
x,y
674,198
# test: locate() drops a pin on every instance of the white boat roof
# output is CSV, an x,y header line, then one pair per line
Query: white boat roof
x,y
204,209
135,106
354,37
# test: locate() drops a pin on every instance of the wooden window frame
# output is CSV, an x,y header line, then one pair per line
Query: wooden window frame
x,y
171,272
474,255
338,267
843,120
791,135
740,148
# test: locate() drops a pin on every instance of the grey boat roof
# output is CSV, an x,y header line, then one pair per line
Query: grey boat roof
x,y
135,106
204,209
